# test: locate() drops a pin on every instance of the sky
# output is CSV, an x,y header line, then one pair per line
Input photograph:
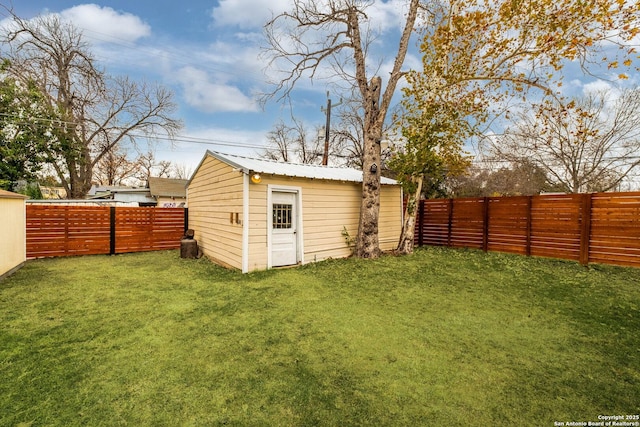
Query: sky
x,y
208,53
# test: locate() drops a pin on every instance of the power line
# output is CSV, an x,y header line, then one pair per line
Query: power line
x,y
176,138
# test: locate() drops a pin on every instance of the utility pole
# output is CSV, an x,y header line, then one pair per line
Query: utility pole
x,y
327,129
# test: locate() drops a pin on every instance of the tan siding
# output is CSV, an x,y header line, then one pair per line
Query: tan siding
x,y
327,208
258,255
214,193
12,233
390,222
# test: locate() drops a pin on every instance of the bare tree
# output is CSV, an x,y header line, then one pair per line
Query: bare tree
x,y
347,138
336,33
181,171
293,143
97,113
592,144
114,168
149,166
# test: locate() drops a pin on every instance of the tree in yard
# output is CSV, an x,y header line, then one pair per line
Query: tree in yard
x,y
479,55
588,145
335,33
25,128
96,112
433,150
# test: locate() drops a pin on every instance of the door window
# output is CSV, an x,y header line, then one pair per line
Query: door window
x,y
282,214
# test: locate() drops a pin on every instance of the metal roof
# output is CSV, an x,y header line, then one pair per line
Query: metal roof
x,y
270,167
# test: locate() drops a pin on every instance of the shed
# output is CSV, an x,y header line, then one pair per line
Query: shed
x,y
13,232
254,214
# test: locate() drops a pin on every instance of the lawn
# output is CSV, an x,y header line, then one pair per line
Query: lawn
x,y
443,337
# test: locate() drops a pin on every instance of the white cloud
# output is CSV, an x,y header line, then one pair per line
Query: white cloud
x,y
598,86
247,14
389,15
251,14
106,24
201,93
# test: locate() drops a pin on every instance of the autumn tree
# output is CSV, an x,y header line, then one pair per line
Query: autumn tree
x,y
588,145
97,112
480,54
433,149
318,35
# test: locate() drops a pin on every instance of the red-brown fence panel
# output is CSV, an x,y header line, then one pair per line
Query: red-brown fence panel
x,y
556,226
601,227
433,226
467,223
509,227
67,230
148,229
615,229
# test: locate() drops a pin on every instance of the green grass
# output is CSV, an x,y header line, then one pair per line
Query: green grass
x,y
442,337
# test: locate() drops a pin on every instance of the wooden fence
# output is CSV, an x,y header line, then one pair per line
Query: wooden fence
x,y
60,230
589,228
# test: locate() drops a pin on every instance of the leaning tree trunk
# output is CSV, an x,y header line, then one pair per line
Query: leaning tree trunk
x,y
405,244
367,243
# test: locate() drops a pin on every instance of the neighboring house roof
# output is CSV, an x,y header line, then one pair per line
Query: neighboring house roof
x,y
97,189
251,165
139,195
167,187
4,194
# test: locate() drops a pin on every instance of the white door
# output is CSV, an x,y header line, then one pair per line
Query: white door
x,y
284,239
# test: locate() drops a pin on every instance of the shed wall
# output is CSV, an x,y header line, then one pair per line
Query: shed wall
x,y
327,208
215,197
12,233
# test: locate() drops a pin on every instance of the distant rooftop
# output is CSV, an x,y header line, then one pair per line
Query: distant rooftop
x,y
167,187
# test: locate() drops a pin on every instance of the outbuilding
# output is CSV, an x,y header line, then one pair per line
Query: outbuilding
x,y
13,232
254,214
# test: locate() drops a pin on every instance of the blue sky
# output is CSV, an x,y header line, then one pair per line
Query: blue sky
x,y
207,51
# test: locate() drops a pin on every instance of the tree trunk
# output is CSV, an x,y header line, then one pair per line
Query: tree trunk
x,y
405,244
367,243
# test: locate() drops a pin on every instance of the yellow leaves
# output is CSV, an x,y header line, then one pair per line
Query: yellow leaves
x,y
623,76
613,64
628,63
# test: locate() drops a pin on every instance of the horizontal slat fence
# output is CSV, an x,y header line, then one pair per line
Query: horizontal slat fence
x,y
599,228
67,230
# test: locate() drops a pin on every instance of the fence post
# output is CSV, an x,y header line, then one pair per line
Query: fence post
x,y
450,225
485,224
529,221
585,228
112,230
186,219
420,222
